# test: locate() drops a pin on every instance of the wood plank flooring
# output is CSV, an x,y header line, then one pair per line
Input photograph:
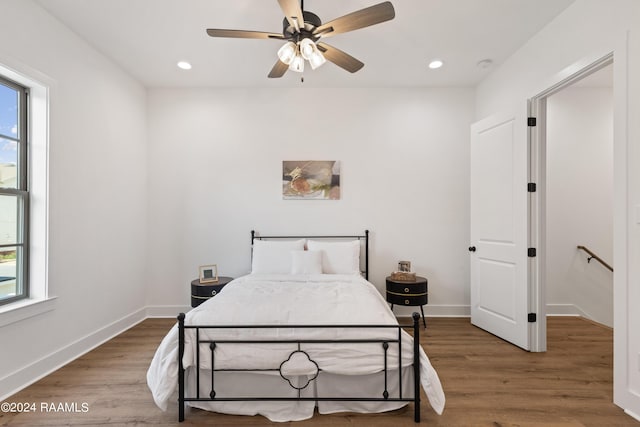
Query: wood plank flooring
x,y
487,382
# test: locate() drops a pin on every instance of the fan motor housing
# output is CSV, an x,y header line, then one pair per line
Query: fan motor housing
x,y
311,22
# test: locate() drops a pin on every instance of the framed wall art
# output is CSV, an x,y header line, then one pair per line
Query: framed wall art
x,y
311,180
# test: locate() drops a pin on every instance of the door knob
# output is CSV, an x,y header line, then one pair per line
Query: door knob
x,y
472,248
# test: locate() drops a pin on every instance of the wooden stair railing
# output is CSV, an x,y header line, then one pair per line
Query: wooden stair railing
x,y
594,256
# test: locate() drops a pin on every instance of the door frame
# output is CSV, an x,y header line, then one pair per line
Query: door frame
x,y
537,141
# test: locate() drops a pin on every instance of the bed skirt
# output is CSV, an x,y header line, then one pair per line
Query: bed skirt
x,y
256,385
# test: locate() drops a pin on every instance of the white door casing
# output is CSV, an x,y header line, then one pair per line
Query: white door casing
x,y
498,250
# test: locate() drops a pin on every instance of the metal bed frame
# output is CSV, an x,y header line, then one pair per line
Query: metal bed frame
x,y
383,396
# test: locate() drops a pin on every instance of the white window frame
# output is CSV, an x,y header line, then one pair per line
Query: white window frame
x,y
41,89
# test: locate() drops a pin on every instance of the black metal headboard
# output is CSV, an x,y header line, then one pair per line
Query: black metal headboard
x,y
365,237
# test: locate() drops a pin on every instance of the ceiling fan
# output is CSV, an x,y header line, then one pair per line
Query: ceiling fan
x,y
302,30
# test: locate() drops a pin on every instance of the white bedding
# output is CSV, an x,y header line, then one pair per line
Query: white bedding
x,y
291,300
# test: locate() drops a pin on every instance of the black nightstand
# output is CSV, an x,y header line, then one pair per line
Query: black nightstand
x,y
408,293
200,292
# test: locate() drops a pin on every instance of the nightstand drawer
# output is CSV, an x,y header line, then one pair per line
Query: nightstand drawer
x,y
202,292
207,291
407,299
407,287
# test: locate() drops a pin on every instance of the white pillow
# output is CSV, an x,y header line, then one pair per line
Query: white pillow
x,y
270,257
306,262
338,257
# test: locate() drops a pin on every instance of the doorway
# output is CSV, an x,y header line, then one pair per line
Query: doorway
x,y
579,196
572,133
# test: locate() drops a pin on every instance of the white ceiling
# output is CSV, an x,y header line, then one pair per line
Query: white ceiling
x,y
148,37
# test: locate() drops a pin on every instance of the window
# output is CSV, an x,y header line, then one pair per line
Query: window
x,y
14,195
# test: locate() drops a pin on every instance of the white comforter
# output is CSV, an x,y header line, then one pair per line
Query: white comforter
x,y
292,300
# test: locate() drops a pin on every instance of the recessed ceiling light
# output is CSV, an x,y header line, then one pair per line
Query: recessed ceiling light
x,y
184,65
436,63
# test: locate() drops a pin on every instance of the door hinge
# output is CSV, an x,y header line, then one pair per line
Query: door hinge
x,y
532,318
531,121
531,252
531,187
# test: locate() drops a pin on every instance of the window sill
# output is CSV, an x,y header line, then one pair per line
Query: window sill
x,y
24,309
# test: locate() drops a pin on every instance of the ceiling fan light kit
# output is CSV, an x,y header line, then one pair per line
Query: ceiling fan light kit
x,y
302,30
294,54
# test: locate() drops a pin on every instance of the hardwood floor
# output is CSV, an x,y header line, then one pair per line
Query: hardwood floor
x,y
487,383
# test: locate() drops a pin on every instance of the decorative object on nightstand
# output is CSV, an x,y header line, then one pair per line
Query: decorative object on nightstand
x,y
408,292
404,266
208,273
403,274
202,292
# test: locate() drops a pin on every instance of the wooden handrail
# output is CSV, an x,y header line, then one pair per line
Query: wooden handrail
x,y
594,256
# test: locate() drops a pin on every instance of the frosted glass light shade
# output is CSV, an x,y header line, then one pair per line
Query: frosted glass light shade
x,y
307,48
297,64
287,52
316,60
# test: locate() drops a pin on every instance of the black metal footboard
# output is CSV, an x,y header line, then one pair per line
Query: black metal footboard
x,y
212,344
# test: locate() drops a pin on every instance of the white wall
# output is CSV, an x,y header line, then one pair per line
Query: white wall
x,y
97,185
586,30
580,201
215,166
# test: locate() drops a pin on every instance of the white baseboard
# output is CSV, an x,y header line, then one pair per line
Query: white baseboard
x,y
31,373
166,310
431,310
564,310
632,414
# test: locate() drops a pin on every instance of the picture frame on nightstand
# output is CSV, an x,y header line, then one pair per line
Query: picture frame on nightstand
x,y
404,266
209,273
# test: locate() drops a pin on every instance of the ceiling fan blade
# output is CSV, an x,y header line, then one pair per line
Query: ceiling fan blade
x,y
362,18
278,70
340,58
293,13
242,34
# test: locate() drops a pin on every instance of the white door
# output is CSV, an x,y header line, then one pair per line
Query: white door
x,y
498,247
